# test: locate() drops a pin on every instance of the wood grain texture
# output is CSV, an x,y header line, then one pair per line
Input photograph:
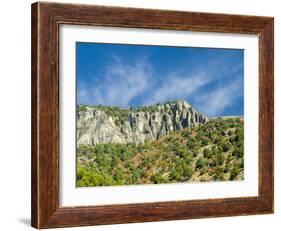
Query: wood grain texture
x,y
46,19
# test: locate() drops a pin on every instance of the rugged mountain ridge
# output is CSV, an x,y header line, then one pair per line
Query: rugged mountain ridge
x,y
101,124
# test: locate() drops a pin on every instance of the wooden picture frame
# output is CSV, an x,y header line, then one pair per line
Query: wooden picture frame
x,y
46,19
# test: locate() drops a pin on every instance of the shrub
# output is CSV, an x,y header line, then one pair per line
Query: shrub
x,y
80,173
229,132
119,175
218,139
219,173
205,142
234,172
188,156
191,144
225,146
187,172
173,175
238,152
207,153
200,162
157,178
220,158
195,153
203,170
92,179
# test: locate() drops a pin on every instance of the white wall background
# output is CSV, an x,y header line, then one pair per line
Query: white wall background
x,y
15,114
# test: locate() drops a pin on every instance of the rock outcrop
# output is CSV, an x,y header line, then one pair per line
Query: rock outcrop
x,y
100,124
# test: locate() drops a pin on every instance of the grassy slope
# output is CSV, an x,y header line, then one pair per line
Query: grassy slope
x,y
209,152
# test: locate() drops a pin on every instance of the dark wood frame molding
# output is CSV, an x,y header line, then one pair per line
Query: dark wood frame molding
x,y
46,19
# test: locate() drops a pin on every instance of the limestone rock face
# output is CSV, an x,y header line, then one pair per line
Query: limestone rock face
x,y
96,125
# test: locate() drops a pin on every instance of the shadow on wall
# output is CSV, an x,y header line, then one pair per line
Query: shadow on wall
x,y
25,221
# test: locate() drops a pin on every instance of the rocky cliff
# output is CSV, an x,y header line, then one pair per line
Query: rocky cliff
x,y
102,124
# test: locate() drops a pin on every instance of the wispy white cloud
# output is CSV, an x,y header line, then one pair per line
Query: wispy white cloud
x,y
215,101
126,82
121,83
178,86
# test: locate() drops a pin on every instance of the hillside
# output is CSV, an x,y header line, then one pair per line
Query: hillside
x,y
211,151
104,124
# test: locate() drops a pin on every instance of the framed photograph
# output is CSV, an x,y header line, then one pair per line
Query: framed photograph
x,y
148,115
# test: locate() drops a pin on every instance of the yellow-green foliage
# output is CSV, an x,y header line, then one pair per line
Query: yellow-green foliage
x,y
208,152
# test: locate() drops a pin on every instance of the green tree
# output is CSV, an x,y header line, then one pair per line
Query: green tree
x,y
174,175
187,171
119,175
225,146
238,152
200,162
219,173
207,153
157,178
234,172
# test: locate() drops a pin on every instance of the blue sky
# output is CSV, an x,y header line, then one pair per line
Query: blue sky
x,y
133,75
